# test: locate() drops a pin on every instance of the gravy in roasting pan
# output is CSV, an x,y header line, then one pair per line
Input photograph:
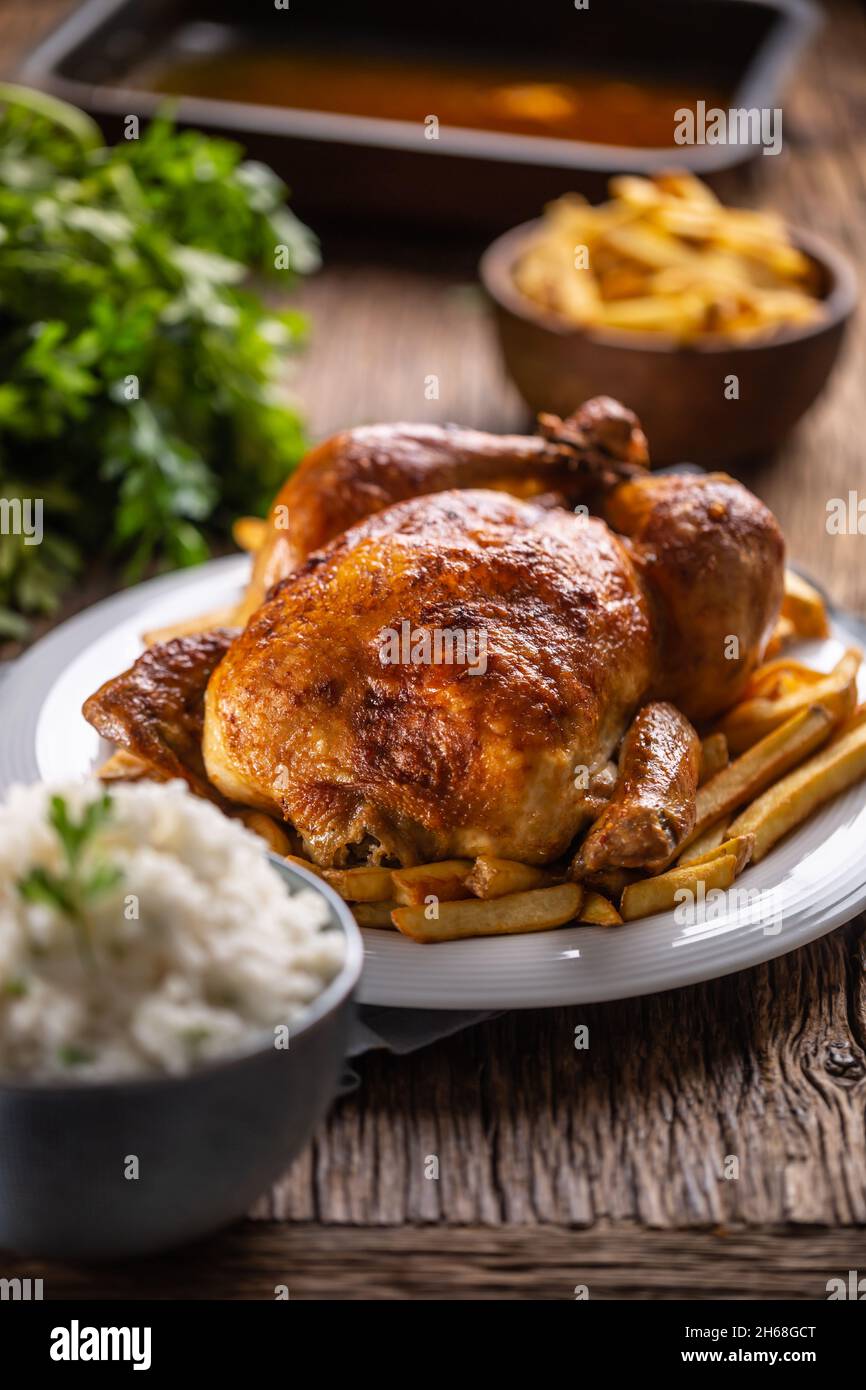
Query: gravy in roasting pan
x,y
508,98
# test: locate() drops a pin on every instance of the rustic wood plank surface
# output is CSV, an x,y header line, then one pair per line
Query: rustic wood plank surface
x,y
767,1068
416,1262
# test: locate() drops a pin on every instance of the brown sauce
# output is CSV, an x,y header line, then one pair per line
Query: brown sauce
x,y
599,109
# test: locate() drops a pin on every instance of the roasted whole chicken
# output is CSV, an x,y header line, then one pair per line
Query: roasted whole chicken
x,y
449,636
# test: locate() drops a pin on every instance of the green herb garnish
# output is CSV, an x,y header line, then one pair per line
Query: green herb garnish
x,y
72,1056
70,892
140,378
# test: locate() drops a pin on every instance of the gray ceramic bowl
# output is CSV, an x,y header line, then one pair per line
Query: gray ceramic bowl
x,y
207,1144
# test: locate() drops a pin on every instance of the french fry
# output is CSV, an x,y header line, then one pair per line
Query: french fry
x,y
764,762
854,720
687,187
304,864
188,627
637,192
610,882
361,885
753,719
126,767
494,878
664,256
374,914
780,677
709,839
784,633
740,846
651,895
249,533
266,827
677,315
445,881
804,606
649,245
714,756
598,911
537,910
788,802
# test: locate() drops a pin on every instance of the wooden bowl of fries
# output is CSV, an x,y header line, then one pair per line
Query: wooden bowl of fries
x,y
719,334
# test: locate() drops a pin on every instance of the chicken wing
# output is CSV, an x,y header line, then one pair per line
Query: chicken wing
x,y
155,710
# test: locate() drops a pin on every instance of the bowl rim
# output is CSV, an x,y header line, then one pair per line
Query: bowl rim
x,y
336,992
497,262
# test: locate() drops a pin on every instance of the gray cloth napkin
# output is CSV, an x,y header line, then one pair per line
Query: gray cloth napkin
x,y
405,1030
401,1031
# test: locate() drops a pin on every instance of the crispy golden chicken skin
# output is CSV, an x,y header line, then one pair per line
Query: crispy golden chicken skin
x,y
310,714
155,710
712,557
361,471
653,807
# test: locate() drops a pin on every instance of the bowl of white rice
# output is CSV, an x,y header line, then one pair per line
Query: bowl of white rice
x,y
174,1012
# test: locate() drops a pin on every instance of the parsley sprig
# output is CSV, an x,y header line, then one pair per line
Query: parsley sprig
x,y
140,375
83,879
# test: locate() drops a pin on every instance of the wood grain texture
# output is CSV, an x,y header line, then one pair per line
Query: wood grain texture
x,y
767,1068
629,1138
320,1262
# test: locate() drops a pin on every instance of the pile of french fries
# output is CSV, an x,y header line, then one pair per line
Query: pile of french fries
x,y
799,738
481,897
665,256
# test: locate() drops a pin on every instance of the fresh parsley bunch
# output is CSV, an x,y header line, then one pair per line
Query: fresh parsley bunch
x,y
139,374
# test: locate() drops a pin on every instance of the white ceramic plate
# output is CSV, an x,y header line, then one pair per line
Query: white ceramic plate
x,y
809,884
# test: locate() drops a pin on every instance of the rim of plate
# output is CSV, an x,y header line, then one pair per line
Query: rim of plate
x,y
812,882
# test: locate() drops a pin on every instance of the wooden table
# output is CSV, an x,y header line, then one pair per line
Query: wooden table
x,y
602,1167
